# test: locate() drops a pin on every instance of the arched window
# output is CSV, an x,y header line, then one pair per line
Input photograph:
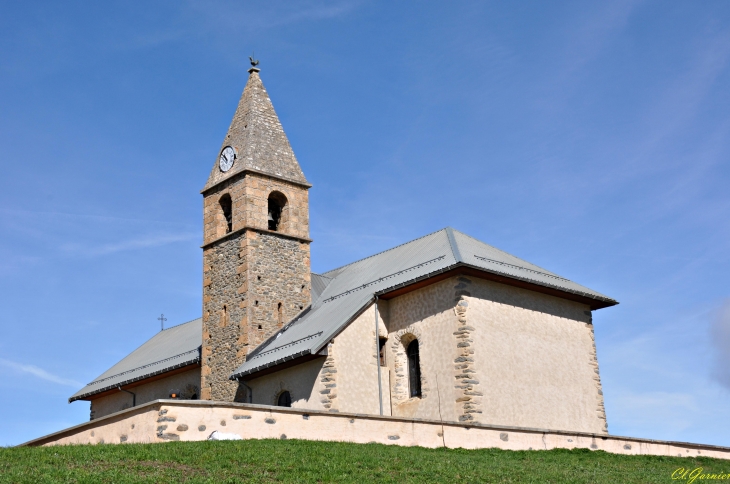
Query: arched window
x,y
277,202
414,369
280,314
227,210
284,399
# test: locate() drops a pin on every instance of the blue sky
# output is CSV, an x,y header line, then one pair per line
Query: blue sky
x,y
590,138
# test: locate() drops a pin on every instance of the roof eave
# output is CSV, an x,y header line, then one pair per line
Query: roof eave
x,y
261,370
595,302
146,376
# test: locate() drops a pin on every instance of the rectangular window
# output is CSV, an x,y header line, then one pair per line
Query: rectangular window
x,y
381,350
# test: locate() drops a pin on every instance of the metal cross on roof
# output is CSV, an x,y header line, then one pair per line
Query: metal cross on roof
x,y
162,320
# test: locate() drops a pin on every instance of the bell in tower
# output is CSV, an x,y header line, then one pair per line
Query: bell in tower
x,y
276,204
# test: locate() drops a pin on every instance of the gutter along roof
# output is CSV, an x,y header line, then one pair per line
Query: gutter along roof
x,y
168,350
350,289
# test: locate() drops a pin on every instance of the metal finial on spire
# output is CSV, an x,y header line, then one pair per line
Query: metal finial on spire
x,y
254,63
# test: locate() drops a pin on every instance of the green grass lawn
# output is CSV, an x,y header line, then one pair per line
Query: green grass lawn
x,y
305,461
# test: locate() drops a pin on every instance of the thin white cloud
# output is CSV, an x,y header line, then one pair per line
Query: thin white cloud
x,y
39,373
226,17
593,34
222,18
142,242
69,215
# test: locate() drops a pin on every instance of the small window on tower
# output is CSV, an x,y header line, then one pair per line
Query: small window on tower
x,y
381,347
280,315
227,210
277,202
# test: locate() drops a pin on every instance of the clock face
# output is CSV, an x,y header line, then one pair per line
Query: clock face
x,y
228,156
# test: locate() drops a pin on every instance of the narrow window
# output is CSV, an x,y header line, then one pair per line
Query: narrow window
x,y
224,316
414,369
277,202
280,315
284,399
381,347
227,209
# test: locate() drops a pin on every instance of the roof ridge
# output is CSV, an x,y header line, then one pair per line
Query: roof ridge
x,y
382,252
181,324
454,246
511,255
140,346
375,281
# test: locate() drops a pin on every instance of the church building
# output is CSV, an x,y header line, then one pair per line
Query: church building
x,y
444,327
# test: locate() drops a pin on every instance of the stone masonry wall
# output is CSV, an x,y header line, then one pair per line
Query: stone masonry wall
x,y
249,194
470,400
328,379
246,278
255,203
224,318
600,408
254,280
278,271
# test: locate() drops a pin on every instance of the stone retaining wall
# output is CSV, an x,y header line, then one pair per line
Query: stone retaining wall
x,y
191,420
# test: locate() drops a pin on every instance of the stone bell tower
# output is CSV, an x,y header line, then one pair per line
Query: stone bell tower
x,y
256,267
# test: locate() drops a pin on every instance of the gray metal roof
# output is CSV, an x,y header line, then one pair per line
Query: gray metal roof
x,y
167,350
338,296
353,287
319,283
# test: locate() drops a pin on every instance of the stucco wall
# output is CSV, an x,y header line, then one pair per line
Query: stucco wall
x,y
167,420
489,353
346,381
301,381
426,314
357,362
534,358
186,383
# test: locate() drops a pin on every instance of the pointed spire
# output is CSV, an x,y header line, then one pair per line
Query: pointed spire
x,y
257,137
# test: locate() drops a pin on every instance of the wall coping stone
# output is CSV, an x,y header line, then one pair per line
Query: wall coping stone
x,y
156,404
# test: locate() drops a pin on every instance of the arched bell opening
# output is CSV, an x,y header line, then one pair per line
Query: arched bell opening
x,y
226,214
277,211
